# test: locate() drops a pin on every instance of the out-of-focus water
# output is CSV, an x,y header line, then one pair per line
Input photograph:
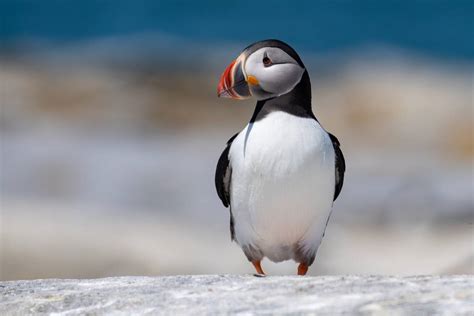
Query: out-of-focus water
x,y
437,28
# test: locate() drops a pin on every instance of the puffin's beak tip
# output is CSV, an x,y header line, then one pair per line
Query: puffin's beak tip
x,y
223,94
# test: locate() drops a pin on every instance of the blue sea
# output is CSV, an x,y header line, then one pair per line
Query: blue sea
x,y
441,29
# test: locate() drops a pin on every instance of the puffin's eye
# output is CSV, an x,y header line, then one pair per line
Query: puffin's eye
x,y
266,61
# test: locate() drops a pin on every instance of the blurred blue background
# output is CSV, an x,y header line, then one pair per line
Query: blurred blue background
x,y
110,130
439,28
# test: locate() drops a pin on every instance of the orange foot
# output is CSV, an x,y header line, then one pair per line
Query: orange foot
x,y
302,269
258,267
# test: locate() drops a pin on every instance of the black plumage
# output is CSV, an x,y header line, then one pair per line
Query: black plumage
x,y
223,179
340,165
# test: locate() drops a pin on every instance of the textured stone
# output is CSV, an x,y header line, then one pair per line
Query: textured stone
x,y
244,294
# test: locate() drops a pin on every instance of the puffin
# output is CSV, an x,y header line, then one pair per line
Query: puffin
x,y
281,174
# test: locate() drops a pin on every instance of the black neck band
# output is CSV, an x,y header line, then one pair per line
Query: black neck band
x,y
296,102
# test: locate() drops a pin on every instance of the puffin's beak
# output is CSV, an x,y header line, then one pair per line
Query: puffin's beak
x,y
233,83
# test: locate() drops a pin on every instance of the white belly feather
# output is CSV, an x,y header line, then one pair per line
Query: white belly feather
x,y
282,184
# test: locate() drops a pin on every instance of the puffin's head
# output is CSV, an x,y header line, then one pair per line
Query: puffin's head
x,y
265,70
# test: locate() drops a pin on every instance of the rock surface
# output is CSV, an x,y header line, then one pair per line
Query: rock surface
x,y
221,294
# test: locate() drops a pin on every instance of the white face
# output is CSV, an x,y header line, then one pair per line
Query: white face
x,y
275,71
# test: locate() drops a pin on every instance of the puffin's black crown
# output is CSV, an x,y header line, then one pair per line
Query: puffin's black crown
x,y
274,43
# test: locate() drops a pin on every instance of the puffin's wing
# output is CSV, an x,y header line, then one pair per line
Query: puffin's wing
x,y
224,174
340,165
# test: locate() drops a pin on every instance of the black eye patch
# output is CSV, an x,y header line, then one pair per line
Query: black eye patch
x,y
267,62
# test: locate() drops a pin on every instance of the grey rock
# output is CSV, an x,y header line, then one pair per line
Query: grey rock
x,y
242,294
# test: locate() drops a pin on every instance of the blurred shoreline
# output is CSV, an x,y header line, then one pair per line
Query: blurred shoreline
x,y
66,241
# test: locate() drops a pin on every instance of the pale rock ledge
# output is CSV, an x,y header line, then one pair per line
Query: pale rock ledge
x,y
242,294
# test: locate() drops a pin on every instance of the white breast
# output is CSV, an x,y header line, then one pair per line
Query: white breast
x,y
282,184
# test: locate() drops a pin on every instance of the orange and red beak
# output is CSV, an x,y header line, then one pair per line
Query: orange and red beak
x,y
233,83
